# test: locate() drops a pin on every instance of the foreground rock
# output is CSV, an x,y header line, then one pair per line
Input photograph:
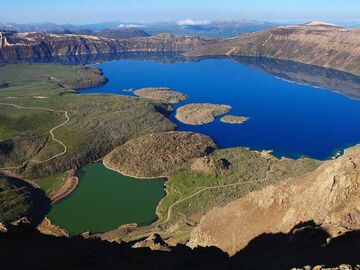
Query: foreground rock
x,y
153,242
46,227
329,196
161,94
158,155
200,113
3,228
230,119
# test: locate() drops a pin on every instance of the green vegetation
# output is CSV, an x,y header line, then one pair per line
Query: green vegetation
x,y
50,183
248,171
15,201
45,96
46,78
190,195
17,122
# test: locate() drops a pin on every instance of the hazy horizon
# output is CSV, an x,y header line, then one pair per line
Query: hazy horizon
x,y
141,11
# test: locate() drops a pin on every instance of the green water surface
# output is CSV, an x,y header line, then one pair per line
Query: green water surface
x,y
105,200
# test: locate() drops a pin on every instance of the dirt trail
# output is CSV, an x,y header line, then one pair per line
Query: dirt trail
x,y
180,200
51,134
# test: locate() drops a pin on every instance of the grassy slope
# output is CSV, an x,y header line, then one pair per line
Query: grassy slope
x,y
50,183
245,166
98,123
15,201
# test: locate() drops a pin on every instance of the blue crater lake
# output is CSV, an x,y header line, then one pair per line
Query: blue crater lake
x,y
295,110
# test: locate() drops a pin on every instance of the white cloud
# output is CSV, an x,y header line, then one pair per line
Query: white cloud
x,y
131,25
192,22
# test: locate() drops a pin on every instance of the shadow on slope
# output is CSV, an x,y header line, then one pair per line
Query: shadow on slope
x,y
20,199
305,245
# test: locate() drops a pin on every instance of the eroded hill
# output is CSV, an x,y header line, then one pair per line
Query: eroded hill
x,y
329,197
318,44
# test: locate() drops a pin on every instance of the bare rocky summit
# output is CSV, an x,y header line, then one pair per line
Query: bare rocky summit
x,y
200,113
231,119
159,154
161,94
208,165
328,196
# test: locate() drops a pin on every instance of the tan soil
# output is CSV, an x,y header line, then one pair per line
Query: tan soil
x,y
70,184
208,165
159,154
162,94
46,227
231,119
200,113
329,196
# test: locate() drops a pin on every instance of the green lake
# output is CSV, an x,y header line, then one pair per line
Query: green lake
x,y
105,200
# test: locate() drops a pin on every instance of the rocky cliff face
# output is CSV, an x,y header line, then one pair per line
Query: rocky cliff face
x,y
329,196
25,45
315,43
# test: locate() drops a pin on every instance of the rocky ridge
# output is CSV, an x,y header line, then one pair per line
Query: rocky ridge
x,y
314,43
331,196
31,44
317,44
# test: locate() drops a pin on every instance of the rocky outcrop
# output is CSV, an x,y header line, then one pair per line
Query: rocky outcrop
x,y
46,227
323,267
31,44
200,113
3,228
153,242
161,94
329,196
317,44
209,165
157,155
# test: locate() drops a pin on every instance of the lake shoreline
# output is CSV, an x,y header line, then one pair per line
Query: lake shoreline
x,y
65,190
90,207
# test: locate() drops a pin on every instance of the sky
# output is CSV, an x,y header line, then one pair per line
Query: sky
x,y
93,11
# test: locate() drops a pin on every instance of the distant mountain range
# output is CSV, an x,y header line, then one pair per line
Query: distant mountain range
x,y
315,43
123,33
215,29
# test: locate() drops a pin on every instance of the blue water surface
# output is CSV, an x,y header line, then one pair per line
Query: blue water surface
x,y
291,119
